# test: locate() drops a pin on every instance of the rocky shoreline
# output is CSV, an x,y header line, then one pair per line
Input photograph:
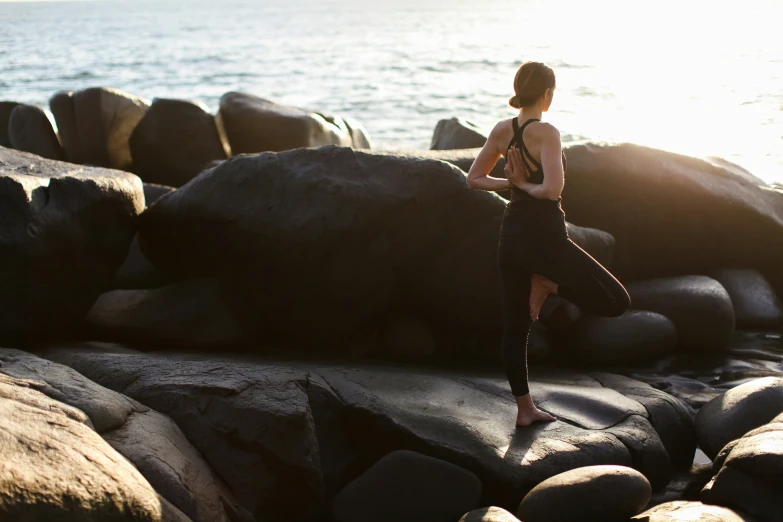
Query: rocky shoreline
x,y
255,316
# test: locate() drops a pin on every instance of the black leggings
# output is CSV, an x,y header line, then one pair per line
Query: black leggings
x,y
533,239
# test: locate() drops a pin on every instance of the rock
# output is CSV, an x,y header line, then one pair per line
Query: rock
x,y
358,133
457,133
698,306
151,441
95,124
756,306
293,433
66,229
597,243
407,338
588,494
750,472
5,114
56,468
490,514
634,338
253,124
684,486
137,271
738,411
405,485
193,314
364,230
684,511
703,214
173,141
30,130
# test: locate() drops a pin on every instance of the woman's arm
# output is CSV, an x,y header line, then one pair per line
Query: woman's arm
x,y
551,162
478,176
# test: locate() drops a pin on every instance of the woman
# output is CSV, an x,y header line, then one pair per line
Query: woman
x,y
535,255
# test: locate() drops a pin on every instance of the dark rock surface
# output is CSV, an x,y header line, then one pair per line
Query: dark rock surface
x,y
457,133
755,303
404,485
699,307
733,414
57,468
65,230
489,514
5,114
587,494
253,124
174,141
685,485
95,124
193,314
685,511
288,433
29,130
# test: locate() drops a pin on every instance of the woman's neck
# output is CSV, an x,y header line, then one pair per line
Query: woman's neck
x,y
527,113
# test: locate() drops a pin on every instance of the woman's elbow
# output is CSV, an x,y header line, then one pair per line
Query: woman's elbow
x,y
471,182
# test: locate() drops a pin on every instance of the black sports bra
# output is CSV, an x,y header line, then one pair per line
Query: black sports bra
x,y
537,174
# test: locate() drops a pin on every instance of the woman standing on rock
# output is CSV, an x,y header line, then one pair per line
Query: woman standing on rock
x,y
535,255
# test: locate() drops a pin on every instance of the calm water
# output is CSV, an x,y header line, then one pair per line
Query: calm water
x,y
692,76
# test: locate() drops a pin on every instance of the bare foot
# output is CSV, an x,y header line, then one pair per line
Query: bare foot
x,y
540,287
527,413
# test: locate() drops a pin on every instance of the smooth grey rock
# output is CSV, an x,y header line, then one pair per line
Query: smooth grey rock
x,y
30,130
404,485
673,214
733,414
698,306
685,511
95,124
55,467
174,141
755,303
489,514
588,494
457,133
65,230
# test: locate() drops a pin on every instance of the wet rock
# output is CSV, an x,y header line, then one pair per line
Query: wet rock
x,y
489,514
173,142
253,124
684,511
66,229
30,130
73,466
457,133
405,485
731,415
755,303
704,214
588,494
192,314
293,433
750,472
699,307
633,338
95,124
5,113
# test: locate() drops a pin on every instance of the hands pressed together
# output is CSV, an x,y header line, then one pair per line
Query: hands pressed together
x,y
515,169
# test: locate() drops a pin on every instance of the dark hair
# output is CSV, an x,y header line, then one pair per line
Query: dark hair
x,y
531,81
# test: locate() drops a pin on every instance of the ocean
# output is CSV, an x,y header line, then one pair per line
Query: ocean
x,y
691,76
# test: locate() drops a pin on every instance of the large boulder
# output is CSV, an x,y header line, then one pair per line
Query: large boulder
x,y
174,141
756,306
253,124
30,130
588,494
295,434
733,414
673,214
337,236
405,485
489,514
66,229
5,114
55,467
698,306
457,133
685,511
193,314
95,124
150,440
750,473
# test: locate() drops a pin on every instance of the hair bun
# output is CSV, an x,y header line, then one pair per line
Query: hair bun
x,y
515,102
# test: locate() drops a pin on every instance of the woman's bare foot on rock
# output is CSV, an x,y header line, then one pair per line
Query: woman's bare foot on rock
x,y
540,287
527,413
